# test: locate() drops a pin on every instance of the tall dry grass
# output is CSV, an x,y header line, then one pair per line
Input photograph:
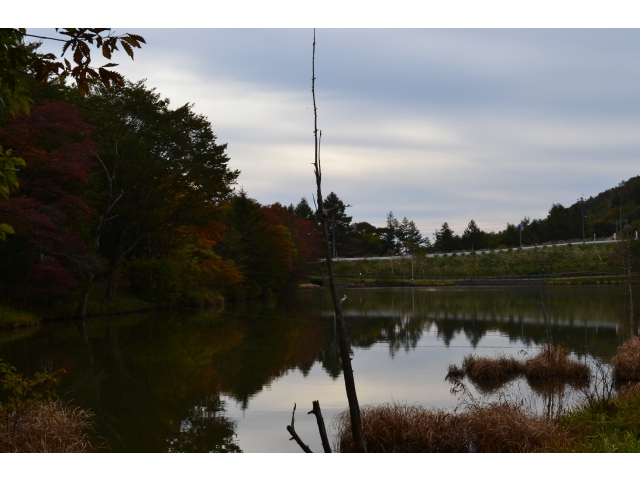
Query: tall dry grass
x,y
626,361
553,363
483,369
49,427
498,427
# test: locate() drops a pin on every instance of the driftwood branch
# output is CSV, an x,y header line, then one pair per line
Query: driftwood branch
x,y
294,435
323,431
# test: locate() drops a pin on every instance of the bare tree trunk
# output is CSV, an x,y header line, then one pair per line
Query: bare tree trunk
x,y
113,273
81,311
321,428
354,408
25,291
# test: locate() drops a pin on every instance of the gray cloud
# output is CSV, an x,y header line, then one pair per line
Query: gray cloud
x,y
437,125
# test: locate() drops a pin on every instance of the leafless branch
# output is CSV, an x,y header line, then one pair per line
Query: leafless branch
x,y
294,435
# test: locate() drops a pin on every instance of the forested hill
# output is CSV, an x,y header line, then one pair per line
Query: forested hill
x,y
615,210
605,210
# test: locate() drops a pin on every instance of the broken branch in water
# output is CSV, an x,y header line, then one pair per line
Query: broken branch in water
x,y
294,435
321,428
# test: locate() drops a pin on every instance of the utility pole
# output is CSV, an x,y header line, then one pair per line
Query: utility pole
x,y
582,204
521,229
333,230
626,226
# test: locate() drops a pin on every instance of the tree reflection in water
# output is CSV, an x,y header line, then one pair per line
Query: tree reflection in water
x,y
156,381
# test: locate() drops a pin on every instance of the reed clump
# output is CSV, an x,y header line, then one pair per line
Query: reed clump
x,y
498,427
397,427
626,361
491,370
553,363
454,373
48,427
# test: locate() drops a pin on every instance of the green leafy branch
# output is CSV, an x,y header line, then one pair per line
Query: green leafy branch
x,y
21,393
79,41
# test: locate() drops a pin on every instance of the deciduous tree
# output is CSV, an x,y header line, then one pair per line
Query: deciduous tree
x,y
167,165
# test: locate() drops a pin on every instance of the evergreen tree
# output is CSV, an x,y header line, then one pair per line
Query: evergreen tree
x,y
389,235
409,236
262,252
304,210
339,222
446,240
473,237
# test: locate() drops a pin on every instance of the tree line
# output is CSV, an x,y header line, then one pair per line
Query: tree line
x,y
112,186
104,183
614,211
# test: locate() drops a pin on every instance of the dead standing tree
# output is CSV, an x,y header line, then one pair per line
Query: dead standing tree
x,y
323,216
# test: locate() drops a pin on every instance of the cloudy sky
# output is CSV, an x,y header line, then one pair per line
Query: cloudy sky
x,y
433,124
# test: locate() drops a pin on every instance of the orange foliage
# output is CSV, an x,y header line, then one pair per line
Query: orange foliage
x,y
304,233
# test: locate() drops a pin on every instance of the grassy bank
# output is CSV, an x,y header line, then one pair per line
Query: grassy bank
x,y
606,420
577,259
13,318
605,427
498,427
46,308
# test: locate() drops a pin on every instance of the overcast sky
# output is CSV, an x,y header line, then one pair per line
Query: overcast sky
x,y
433,124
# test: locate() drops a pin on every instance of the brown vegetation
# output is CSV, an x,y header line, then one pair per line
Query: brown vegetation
x,y
48,427
454,373
553,363
626,361
494,370
498,427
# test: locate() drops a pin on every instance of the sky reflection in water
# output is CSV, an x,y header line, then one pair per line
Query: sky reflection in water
x,y
205,381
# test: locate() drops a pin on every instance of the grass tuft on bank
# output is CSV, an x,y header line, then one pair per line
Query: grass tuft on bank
x,y
607,420
605,427
48,427
13,318
397,427
626,361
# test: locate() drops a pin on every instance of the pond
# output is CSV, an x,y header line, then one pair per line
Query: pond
x,y
194,381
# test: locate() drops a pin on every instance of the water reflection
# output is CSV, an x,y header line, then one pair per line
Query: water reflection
x,y
183,380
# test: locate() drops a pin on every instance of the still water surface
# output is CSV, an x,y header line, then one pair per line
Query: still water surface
x,y
195,381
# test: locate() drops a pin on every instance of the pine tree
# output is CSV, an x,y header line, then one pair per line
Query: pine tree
x,y
473,237
446,240
409,236
339,222
304,210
